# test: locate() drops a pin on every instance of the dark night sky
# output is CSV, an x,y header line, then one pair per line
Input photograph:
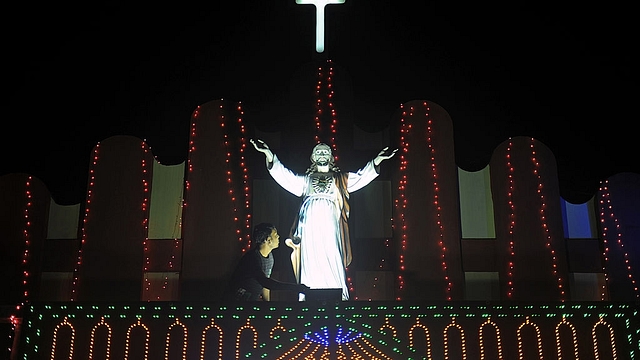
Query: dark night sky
x,y
76,76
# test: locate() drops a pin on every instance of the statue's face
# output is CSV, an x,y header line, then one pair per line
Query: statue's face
x,y
321,155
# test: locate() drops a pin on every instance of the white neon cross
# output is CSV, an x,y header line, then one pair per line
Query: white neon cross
x,y
320,4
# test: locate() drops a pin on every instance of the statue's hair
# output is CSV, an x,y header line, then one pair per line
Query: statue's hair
x,y
314,166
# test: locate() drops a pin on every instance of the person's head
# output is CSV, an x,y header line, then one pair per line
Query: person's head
x,y
265,233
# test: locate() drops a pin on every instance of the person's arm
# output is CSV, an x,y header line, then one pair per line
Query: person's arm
x,y
272,284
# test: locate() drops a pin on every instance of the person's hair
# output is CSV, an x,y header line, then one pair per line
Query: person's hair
x,y
261,232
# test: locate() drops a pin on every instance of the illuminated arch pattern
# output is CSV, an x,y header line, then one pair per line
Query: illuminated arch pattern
x,y
463,346
254,332
574,338
498,338
184,340
527,322
128,340
54,345
612,339
93,339
204,339
360,332
426,334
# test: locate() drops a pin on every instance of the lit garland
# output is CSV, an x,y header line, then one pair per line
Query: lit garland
x,y
512,222
245,177
401,203
176,242
543,220
27,245
145,222
436,202
192,148
606,205
92,178
328,93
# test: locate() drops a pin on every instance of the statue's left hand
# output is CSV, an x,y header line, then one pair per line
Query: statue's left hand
x,y
384,154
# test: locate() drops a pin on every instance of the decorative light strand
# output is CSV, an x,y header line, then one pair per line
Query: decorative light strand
x,y
145,223
92,178
436,202
192,148
242,228
401,202
606,205
512,222
26,255
545,227
176,241
324,98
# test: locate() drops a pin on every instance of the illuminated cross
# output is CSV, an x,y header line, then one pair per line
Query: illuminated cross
x,y
320,4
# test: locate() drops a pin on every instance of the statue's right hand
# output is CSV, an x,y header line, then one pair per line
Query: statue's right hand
x,y
259,145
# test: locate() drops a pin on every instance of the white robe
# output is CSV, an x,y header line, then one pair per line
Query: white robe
x,y
321,264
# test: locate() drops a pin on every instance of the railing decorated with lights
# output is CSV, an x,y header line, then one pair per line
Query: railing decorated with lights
x,y
331,330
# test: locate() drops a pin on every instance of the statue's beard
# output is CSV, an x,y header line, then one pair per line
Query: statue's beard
x,y
322,162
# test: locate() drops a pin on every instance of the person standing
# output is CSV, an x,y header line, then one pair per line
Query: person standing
x,y
320,236
251,279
